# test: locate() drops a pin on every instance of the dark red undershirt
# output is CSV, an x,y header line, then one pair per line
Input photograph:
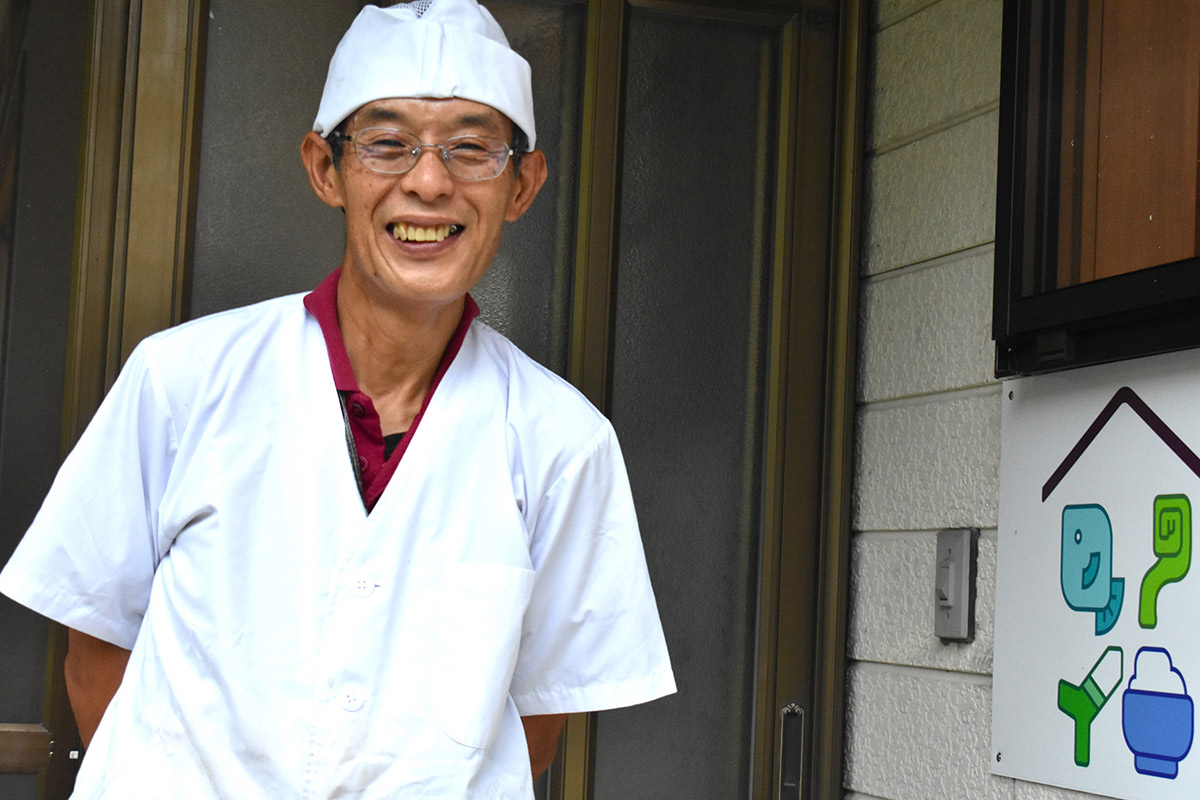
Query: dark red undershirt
x,y
374,469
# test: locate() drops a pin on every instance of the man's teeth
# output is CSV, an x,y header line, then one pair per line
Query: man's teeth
x,y
415,233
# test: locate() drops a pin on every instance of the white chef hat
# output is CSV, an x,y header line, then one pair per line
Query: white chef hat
x,y
426,48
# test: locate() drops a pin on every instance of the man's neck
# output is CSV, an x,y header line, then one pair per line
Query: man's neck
x,y
394,350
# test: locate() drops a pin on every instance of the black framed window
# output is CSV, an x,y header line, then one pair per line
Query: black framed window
x,y
1097,219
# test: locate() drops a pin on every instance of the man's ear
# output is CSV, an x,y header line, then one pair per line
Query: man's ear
x,y
322,174
529,183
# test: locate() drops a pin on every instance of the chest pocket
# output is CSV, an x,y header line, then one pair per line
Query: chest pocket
x,y
479,617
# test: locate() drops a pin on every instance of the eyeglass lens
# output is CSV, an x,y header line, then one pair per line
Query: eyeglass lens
x,y
473,158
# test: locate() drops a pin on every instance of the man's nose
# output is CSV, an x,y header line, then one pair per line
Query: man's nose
x,y
429,176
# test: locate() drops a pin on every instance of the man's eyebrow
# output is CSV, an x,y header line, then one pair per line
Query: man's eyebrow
x,y
383,115
477,120
376,115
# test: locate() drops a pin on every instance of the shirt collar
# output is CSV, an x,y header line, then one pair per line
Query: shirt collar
x,y
322,304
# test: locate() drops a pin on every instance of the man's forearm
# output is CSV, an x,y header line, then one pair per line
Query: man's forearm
x,y
94,669
541,734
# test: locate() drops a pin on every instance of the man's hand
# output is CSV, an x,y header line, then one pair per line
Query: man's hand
x,y
541,734
94,669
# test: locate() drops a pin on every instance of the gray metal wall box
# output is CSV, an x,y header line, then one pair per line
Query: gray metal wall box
x,y
954,584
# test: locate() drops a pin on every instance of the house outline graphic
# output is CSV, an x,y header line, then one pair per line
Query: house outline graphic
x,y
1124,396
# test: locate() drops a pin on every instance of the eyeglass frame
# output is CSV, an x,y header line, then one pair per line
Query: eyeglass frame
x,y
510,154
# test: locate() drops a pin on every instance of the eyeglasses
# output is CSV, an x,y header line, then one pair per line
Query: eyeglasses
x,y
393,152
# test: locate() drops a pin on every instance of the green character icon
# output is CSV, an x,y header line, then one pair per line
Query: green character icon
x,y
1083,702
1173,546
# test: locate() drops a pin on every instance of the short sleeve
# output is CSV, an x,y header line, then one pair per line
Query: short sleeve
x,y
592,638
89,557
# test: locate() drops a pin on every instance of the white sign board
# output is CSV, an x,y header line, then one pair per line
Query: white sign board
x,y
1097,651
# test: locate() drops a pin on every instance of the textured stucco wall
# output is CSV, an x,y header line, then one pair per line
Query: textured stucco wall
x,y
928,432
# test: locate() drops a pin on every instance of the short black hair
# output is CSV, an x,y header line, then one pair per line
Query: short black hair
x,y
520,143
335,142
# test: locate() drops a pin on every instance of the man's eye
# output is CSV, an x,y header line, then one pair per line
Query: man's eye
x,y
385,143
472,149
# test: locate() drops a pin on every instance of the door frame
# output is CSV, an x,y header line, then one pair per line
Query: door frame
x,y
132,237
805,559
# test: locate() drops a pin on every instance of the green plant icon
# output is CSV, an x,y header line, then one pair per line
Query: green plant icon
x,y
1083,702
1173,546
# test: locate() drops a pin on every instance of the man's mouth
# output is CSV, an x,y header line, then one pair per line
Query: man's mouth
x,y
417,233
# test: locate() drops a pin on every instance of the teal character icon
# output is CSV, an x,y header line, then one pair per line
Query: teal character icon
x,y
1082,703
1086,574
1173,546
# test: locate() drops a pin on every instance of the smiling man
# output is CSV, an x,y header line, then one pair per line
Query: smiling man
x,y
354,543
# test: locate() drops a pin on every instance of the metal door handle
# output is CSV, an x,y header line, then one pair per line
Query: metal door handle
x,y
791,751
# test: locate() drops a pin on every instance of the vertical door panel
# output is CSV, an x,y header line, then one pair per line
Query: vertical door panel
x,y
260,231
40,136
527,292
689,390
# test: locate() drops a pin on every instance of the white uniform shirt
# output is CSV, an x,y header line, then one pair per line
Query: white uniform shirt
x,y
285,643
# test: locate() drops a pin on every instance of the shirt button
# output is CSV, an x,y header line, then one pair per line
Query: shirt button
x,y
363,464
352,699
362,586
358,409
